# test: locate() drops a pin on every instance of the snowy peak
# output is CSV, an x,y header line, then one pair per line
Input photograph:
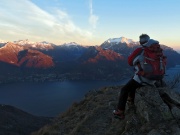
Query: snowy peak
x,y
125,40
38,45
119,43
119,40
23,42
71,44
27,42
45,42
2,41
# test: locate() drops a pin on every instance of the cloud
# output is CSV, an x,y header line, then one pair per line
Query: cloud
x,y
27,21
93,19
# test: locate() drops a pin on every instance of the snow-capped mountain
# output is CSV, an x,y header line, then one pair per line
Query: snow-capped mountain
x,y
27,42
73,51
120,40
73,46
122,45
18,55
23,42
36,45
2,41
70,44
67,51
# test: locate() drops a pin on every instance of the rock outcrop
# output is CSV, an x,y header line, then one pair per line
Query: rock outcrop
x,y
156,112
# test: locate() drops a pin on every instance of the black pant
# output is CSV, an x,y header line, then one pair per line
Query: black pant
x,y
128,91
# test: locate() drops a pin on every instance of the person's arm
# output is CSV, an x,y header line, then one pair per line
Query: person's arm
x,y
133,55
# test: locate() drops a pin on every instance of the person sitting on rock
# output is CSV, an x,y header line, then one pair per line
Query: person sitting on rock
x,y
127,93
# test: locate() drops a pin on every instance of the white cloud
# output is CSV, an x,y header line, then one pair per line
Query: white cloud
x,y
93,18
25,20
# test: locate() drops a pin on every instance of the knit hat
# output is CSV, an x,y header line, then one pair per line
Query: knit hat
x,y
143,39
151,42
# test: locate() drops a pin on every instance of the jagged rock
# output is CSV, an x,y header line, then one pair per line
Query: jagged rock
x,y
172,99
157,106
173,95
151,106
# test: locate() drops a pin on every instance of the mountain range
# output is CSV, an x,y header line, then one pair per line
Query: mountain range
x,y
22,59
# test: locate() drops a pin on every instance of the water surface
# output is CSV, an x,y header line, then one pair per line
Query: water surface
x,y
50,98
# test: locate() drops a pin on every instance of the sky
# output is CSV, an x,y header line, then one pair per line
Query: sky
x,y
90,22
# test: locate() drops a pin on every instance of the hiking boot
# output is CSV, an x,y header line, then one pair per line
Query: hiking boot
x,y
118,114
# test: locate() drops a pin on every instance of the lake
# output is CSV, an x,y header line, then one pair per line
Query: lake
x,y
48,98
53,98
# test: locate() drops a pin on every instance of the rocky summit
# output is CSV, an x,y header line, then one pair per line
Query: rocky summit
x,y
156,112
